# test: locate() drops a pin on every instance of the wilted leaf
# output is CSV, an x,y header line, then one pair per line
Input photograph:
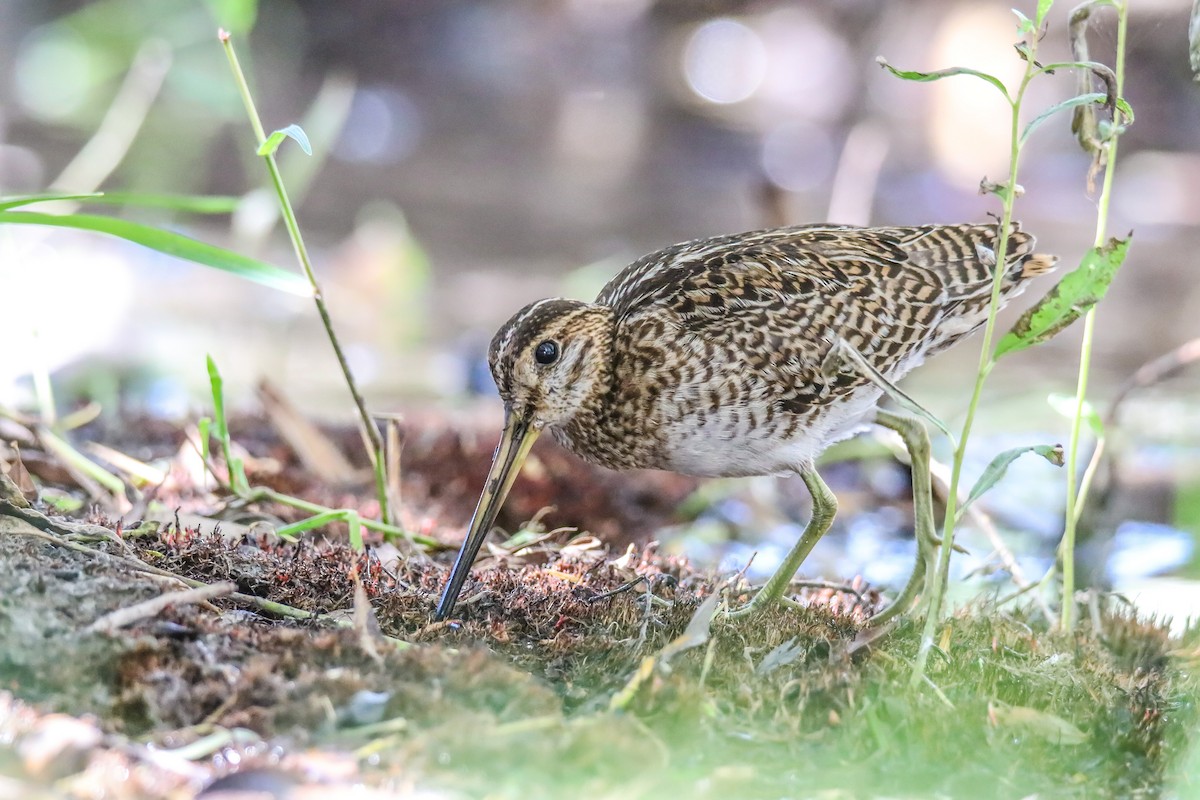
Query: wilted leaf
x,y
1078,291
782,655
11,493
22,482
366,624
1001,190
696,632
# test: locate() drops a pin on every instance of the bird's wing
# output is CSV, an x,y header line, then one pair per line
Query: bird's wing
x,y
780,297
771,304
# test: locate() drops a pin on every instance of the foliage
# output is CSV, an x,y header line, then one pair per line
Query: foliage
x,y
1079,290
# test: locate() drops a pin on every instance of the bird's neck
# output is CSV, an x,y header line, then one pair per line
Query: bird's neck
x,y
595,431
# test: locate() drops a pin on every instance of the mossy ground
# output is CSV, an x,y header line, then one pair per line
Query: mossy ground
x,y
516,698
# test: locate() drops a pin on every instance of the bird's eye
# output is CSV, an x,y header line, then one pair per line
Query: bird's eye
x,y
546,352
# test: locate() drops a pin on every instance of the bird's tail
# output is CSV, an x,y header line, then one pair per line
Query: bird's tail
x,y
968,278
971,273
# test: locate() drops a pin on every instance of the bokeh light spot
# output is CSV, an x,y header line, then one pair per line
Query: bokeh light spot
x,y
724,61
55,73
384,126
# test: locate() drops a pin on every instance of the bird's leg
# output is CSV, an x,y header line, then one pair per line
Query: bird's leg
x,y
823,511
916,441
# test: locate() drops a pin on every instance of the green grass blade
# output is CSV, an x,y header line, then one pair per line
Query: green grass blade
x,y
316,521
1078,291
173,244
1000,464
188,203
238,484
354,523
16,201
349,516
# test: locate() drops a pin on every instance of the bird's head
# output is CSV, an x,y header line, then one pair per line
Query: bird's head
x,y
550,358
548,361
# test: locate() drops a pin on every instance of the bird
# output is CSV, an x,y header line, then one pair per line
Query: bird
x,y
746,354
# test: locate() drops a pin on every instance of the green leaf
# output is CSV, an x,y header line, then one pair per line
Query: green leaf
x,y
1043,8
925,77
1097,98
995,470
1078,291
276,138
173,244
1064,405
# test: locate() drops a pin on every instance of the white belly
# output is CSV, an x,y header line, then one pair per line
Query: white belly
x,y
718,449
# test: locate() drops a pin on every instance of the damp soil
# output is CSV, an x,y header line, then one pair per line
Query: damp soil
x,y
579,665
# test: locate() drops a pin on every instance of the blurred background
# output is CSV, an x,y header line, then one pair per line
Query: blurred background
x,y
469,157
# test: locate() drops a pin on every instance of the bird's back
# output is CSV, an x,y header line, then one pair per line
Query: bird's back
x,y
725,341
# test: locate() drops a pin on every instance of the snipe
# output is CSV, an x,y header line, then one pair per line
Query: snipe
x,y
718,357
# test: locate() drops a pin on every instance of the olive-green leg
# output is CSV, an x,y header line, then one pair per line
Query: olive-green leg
x,y
823,511
916,441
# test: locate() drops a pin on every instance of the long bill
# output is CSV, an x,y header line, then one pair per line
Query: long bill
x,y
518,436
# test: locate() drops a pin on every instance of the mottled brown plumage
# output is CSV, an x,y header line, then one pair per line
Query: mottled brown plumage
x,y
713,357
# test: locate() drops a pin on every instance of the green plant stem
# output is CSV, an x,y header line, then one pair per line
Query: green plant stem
x,y
1076,490
940,580
369,429
260,494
